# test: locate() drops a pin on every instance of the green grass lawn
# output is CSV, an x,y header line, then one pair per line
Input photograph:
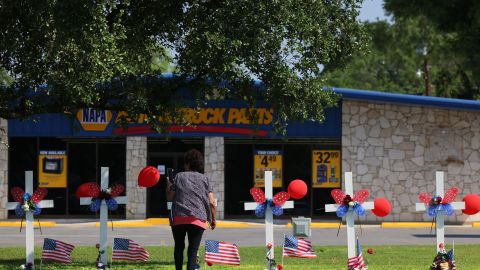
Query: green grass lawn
x,y
334,258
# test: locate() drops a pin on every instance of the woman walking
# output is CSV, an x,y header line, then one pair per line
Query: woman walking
x,y
193,205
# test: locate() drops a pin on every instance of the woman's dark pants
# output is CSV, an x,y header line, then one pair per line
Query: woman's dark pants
x,y
194,238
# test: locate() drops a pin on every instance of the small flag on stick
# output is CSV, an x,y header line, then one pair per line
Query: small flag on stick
x,y
217,252
297,247
127,250
57,251
357,263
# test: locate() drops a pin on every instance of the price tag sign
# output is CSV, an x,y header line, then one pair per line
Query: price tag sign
x,y
326,171
267,160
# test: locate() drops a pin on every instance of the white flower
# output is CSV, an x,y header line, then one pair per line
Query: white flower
x,y
109,190
23,266
26,207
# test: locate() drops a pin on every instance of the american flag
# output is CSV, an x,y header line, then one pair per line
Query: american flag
x,y
221,253
357,262
57,251
127,250
297,247
451,256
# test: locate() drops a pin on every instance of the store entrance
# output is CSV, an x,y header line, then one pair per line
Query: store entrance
x,y
157,201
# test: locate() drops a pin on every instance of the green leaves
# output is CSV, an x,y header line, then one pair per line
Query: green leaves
x,y
75,46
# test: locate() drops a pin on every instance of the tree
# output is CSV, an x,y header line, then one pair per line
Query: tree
x,y
74,54
460,21
393,65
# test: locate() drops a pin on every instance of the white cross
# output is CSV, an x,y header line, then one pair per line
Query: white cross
x,y
350,216
103,213
268,214
29,244
440,176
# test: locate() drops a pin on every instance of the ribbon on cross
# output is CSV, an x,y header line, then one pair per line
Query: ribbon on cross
x,y
276,203
27,202
345,201
98,195
436,203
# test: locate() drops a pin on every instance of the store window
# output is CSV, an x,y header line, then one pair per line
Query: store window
x,y
241,175
79,159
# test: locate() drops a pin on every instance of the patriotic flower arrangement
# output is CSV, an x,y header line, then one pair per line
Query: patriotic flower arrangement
x,y
98,195
275,204
27,202
437,203
444,260
346,202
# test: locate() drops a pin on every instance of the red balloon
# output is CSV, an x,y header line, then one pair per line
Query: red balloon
x,y
297,189
84,190
148,177
381,207
472,204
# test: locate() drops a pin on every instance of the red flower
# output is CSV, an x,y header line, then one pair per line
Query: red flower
x,y
370,251
347,199
269,245
209,263
279,267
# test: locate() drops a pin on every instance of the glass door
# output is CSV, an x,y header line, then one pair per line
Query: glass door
x,y
156,198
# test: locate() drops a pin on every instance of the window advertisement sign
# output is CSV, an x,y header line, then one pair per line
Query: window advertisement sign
x,y
326,171
52,169
268,160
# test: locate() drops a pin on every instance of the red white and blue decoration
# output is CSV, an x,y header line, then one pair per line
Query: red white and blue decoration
x,y
218,252
437,203
444,260
276,203
127,250
27,202
57,251
346,202
297,247
99,195
357,262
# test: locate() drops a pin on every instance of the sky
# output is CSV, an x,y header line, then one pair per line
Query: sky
x,y
372,10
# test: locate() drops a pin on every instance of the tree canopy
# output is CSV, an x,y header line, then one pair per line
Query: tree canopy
x,y
459,20
65,55
393,65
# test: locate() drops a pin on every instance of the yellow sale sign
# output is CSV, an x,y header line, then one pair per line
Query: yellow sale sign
x,y
326,171
267,160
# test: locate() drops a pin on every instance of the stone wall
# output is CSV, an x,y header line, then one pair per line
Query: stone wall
x,y
3,168
214,169
394,150
136,161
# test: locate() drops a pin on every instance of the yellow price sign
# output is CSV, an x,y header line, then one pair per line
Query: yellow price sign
x,y
267,160
326,171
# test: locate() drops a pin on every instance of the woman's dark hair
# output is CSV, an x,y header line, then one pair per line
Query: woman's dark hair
x,y
194,159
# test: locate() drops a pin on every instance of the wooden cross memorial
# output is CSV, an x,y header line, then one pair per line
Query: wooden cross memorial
x,y
29,239
268,216
350,216
440,217
103,214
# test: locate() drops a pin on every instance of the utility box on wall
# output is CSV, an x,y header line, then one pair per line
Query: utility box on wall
x,y
301,226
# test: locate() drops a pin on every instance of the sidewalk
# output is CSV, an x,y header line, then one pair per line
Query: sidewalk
x,y
243,223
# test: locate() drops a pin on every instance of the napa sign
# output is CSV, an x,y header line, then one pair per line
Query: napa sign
x,y
92,119
204,121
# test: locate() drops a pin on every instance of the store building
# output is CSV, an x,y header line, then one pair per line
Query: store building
x,y
392,143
